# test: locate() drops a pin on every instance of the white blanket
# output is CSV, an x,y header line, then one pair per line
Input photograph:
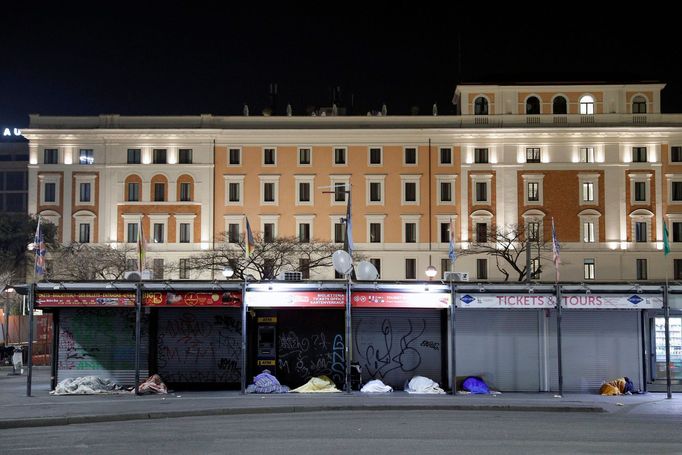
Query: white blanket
x,y
420,384
376,386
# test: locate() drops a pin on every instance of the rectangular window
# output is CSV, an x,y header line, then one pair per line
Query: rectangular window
x,y
304,156
676,188
410,232
134,156
159,192
481,269
677,269
588,268
677,232
339,156
410,155
183,268
374,156
533,231
51,156
445,191
304,232
159,156
640,191
84,192
131,264
304,268
445,155
133,192
481,232
587,154
480,155
375,232
676,154
339,233
158,233
84,232
375,191
185,156
481,191
533,191
233,192
639,154
640,231
377,264
268,192
532,155
410,192
641,269
588,232
410,269
50,192
233,233
269,156
535,268
184,232
269,232
304,191
132,232
339,192
588,192
185,194
235,157
86,156
157,269
444,232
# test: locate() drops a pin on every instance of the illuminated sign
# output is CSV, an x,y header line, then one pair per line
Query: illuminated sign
x,y
85,299
11,132
513,301
187,299
400,300
296,299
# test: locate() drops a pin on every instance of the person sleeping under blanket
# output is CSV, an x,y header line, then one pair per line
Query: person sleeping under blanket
x,y
620,386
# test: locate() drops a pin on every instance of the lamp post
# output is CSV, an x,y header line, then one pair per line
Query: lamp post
x,y
431,271
228,272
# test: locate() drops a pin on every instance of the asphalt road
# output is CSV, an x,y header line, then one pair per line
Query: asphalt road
x,y
361,432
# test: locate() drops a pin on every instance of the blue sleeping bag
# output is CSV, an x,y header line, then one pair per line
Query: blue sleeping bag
x,y
475,384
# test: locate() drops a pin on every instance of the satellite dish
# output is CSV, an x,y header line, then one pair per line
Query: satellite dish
x,y
342,261
367,272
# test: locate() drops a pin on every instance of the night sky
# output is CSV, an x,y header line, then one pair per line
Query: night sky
x,y
135,60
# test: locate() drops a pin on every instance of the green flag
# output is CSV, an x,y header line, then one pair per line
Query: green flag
x,y
666,242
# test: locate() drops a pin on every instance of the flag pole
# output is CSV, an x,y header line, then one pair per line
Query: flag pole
x,y
557,261
666,313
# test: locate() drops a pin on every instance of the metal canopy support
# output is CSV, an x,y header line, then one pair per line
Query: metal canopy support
x,y
666,308
348,334
138,316
453,334
558,340
244,314
31,305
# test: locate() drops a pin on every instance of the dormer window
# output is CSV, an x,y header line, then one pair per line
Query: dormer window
x,y
639,105
587,105
480,106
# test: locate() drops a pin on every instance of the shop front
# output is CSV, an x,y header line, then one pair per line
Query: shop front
x,y
654,330
296,331
401,331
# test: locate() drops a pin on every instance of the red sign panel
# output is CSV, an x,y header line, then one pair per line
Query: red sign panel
x,y
85,299
185,299
297,299
400,300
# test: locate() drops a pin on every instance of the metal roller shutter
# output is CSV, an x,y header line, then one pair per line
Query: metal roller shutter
x,y
597,346
200,345
100,342
501,346
395,345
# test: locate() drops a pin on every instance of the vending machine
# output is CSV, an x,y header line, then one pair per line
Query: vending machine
x,y
675,348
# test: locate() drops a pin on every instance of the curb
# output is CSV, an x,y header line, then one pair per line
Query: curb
x,y
155,415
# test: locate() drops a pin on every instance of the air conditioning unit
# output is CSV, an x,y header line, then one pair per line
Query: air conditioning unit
x,y
456,276
137,276
290,276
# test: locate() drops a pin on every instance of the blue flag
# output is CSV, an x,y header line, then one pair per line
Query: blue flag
x,y
452,254
41,251
349,228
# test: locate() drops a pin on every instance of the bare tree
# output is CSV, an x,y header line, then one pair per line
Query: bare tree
x,y
508,245
268,259
84,261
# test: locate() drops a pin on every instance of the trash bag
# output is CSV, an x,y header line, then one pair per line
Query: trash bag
x,y
153,384
475,385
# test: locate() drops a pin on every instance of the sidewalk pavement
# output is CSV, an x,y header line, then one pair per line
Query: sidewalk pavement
x,y
42,409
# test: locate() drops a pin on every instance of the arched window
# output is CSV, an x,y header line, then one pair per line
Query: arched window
x,y
481,106
532,105
185,188
559,105
133,188
587,105
159,189
639,105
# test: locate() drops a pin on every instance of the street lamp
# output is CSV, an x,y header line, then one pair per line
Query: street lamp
x,y
228,272
431,271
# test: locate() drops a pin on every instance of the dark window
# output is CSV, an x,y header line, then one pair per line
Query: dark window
x,y
86,156
377,264
375,232
677,269
184,269
159,156
482,269
304,268
640,191
304,232
532,106
641,269
235,157
131,264
339,192
339,156
233,233
185,232
268,269
51,156
159,192
157,269
445,155
640,231
84,233
410,155
481,232
639,154
374,156
84,192
676,154
445,232
132,232
533,191
676,188
410,269
375,191
133,192
339,233
233,192
639,106
158,233
269,156
677,232
481,106
185,192
15,181
269,232
134,156
185,156
410,192
480,155
533,231
50,192
304,191
532,155
410,232
446,192
481,191
304,156
268,192
559,105
15,202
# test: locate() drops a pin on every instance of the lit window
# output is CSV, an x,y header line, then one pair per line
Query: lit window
x,y
587,105
532,155
587,154
588,266
86,156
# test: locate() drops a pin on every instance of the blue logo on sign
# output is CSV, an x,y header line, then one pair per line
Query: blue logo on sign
x,y
635,299
467,299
